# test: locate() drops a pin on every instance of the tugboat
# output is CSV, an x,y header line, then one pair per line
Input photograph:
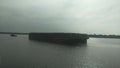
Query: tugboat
x,y
61,38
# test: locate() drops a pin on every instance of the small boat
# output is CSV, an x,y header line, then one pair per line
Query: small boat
x,y
13,35
64,38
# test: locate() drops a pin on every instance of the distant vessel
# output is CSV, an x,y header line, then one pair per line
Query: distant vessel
x,y
62,38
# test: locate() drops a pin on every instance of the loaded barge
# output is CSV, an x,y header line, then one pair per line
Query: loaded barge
x,y
61,38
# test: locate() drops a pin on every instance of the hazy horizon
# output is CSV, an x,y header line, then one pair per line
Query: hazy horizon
x,y
84,16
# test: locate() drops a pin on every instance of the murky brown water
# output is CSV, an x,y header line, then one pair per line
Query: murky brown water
x,y
20,52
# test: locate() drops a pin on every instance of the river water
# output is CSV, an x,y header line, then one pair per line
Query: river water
x,y
20,52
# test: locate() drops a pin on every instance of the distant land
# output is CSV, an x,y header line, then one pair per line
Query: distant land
x,y
103,36
90,35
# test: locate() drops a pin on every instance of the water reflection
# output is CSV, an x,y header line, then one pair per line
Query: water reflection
x,y
69,56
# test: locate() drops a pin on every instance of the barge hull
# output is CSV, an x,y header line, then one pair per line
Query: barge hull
x,y
63,38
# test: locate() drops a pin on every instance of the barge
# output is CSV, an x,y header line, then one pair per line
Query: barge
x,y
61,38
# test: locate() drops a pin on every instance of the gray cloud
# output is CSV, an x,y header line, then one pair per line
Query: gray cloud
x,y
85,16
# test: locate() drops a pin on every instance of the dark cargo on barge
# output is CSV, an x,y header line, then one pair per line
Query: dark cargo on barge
x,y
63,38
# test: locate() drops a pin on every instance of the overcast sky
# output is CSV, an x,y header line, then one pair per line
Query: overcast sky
x,y
80,16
